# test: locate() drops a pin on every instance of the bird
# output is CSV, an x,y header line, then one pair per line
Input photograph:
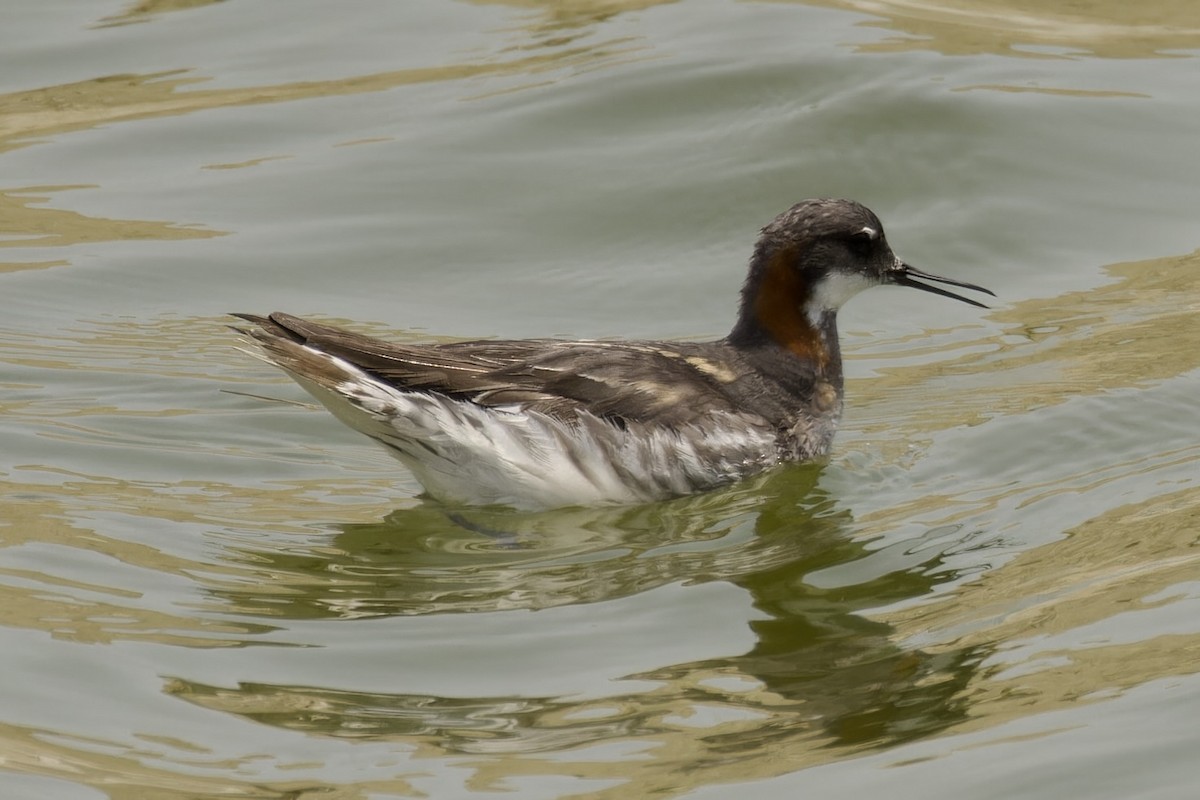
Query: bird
x,y
536,424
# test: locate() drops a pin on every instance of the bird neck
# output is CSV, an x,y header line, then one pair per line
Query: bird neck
x,y
779,309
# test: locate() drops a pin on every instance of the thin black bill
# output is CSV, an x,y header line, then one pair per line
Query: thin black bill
x,y
906,274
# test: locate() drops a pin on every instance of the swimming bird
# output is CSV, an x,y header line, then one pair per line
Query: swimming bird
x,y
541,423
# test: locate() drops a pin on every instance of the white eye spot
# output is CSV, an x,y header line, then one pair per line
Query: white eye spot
x,y
870,232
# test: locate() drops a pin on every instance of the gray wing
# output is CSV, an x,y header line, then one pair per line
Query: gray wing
x,y
668,383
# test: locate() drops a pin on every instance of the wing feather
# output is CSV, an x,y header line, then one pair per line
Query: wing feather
x,y
669,383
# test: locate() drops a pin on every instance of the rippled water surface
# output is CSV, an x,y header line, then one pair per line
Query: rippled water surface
x,y
992,590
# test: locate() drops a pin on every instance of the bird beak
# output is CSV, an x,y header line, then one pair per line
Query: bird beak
x,y
903,274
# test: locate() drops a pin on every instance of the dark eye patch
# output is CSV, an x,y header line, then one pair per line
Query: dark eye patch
x,y
862,243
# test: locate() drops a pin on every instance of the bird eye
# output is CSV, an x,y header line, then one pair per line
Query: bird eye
x,y
861,243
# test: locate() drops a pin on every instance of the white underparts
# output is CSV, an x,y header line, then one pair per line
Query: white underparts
x,y
464,452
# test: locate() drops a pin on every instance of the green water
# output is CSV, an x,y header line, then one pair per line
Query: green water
x,y
992,590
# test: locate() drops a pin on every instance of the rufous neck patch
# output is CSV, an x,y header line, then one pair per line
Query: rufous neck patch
x,y
780,310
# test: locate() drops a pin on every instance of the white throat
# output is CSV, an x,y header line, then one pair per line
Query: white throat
x,y
833,291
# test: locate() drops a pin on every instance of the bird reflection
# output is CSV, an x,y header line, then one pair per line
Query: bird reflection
x,y
820,679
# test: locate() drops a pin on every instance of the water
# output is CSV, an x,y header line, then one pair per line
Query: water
x,y
991,590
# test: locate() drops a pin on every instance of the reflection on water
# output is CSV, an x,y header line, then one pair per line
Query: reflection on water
x,y
24,225
27,115
1007,527
31,117
1134,332
145,10
1055,607
431,559
1104,28
563,18
842,661
819,673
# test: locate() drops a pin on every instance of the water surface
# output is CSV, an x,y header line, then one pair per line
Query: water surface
x,y
991,590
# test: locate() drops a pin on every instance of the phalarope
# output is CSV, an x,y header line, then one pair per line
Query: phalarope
x,y
541,423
